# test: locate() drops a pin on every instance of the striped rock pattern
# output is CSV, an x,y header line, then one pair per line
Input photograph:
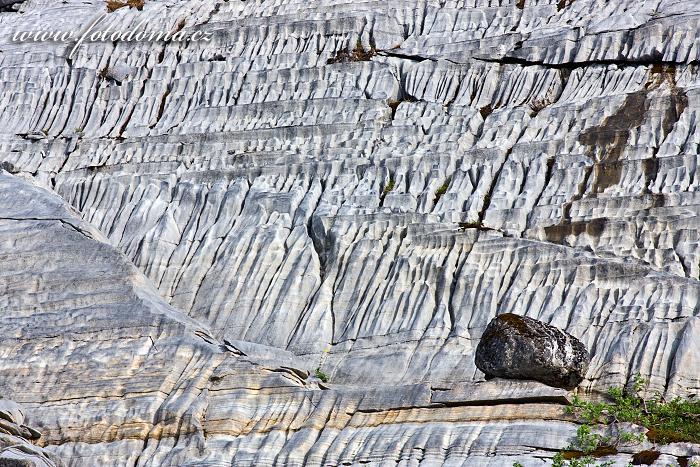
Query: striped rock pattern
x,y
189,230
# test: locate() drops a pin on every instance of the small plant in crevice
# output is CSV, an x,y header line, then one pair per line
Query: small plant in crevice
x,y
321,375
487,201
388,188
318,372
442,189
538,104
586,447
588,443
358,54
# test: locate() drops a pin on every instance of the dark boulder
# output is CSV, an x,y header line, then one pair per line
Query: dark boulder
x,y
517,347
8,166
10,6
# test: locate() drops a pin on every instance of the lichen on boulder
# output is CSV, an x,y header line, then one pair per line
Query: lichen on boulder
x,y
517,347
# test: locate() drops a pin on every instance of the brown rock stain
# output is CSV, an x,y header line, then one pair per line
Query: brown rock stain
x,y
645,457
607,141
516,321
600,451
561,4
558,233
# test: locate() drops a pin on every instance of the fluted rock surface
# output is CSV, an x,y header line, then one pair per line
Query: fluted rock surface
x,y
190,228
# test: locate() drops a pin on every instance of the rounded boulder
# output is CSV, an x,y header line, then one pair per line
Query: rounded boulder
x,y
517,347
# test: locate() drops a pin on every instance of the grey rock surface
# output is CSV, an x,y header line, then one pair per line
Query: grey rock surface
x,y
16,440
518,347
192,228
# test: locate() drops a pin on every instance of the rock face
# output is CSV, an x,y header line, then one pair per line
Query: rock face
x,y
16,448
518,347
188,229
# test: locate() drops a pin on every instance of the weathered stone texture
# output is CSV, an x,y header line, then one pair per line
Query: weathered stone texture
x,y
16,448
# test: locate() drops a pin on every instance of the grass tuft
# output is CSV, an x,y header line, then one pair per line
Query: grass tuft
x,y
321,375
389,187
441,191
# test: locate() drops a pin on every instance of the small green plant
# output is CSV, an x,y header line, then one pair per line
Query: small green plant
x,y
441,191
321,375
639,383
628,438
585,448
672,421
517,464
487,201
389,186
587,441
